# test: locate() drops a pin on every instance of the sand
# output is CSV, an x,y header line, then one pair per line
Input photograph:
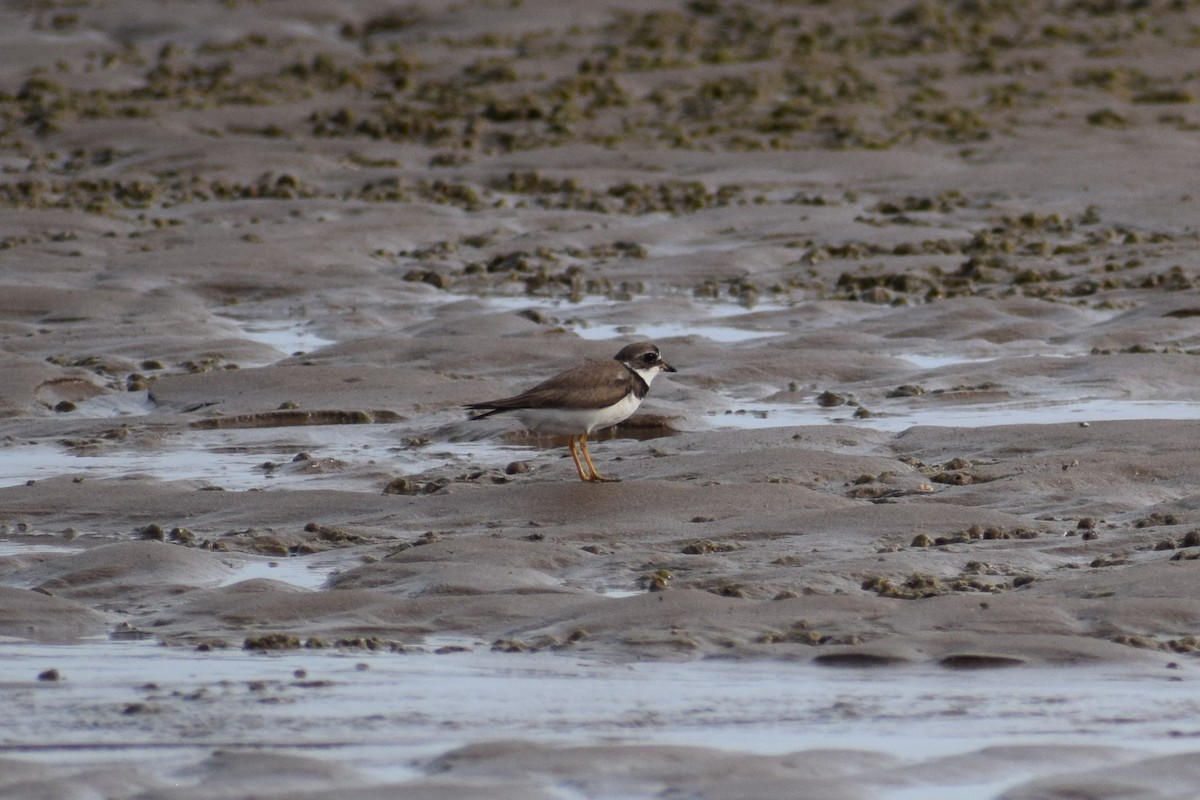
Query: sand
x,y
927,275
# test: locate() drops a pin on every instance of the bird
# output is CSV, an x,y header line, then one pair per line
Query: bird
x,y
593,395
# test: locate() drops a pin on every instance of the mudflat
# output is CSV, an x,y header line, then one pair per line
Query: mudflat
x,y
927,273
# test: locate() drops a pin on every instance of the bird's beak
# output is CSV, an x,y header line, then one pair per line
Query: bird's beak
x,y
665,367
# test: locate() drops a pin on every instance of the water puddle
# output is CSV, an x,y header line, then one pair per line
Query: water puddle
x,y
935,361
289,337
385,714
344,456
654,332
306,572
115,405
350,456
315,456
21,547
1033,412
590,316
517,303
619,593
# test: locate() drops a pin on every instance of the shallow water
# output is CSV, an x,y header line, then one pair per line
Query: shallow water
x,y
10,547
116,404
289,337
344,456
667,330
1026,412
590,317
307,572
386,714
234,459
935,361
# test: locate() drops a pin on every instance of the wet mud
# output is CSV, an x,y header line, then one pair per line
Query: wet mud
x,y
927,274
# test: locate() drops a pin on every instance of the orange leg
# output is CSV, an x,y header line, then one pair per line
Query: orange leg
x,y
575,458
596,476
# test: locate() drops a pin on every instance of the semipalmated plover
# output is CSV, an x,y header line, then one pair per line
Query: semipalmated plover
x,y
594,395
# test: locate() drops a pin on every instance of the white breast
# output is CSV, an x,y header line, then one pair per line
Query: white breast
x,y
574,421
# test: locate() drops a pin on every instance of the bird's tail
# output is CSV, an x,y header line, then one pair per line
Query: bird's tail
x,y
487,411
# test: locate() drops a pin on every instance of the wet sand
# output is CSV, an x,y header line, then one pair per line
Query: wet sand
x,y
928,278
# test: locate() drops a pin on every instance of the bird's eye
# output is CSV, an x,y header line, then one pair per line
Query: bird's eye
x,y
650,358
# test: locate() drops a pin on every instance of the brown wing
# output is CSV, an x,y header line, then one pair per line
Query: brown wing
x,y
591,385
